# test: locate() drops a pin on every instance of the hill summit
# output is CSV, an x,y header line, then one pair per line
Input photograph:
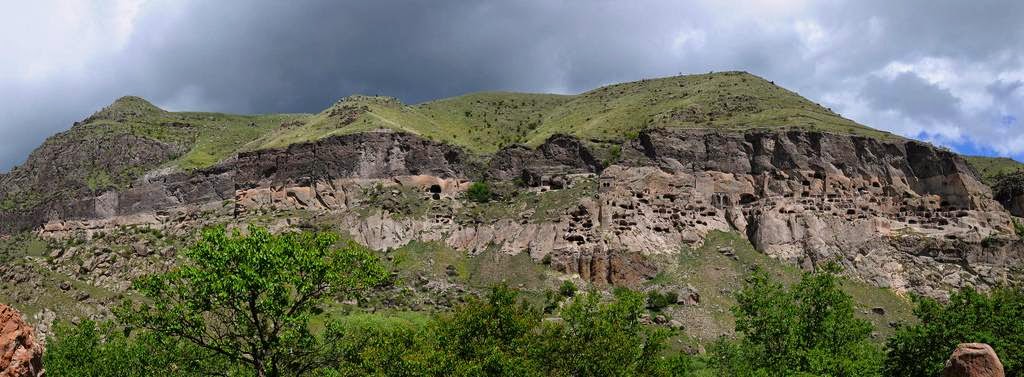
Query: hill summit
x,y
126,108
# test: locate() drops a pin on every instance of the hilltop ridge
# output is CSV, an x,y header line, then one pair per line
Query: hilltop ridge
x,y
485,122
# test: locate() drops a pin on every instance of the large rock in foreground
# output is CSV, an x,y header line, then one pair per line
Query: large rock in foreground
x,y
973,360
20,354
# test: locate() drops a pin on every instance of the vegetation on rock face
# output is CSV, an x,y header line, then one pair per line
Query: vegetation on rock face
x,y
1005,187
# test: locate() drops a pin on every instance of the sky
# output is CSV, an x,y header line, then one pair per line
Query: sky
x,y
947,72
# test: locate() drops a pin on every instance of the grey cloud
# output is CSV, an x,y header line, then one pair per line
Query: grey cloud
x,y
299,56
911,95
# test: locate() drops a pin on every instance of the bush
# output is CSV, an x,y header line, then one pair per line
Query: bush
x,y
996,318
659,300
479,192
493,336
605,340
568,289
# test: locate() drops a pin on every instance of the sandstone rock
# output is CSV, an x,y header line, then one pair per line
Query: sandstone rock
x,y
973,360
20,354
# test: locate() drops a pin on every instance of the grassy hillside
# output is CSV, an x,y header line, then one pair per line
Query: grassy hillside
x,y
485,122
990,167
729,100
206,138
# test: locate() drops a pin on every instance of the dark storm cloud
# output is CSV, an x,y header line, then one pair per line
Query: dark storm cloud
x,y
913,96
899,66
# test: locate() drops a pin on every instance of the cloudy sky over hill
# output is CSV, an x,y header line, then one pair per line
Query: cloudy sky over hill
x,y
950,72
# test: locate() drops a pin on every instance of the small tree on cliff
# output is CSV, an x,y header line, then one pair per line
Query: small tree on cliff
x,y
250,298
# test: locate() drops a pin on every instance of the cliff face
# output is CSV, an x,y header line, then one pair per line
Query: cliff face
x,y
898,213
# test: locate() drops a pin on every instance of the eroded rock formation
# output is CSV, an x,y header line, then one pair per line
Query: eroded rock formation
x,y
896,213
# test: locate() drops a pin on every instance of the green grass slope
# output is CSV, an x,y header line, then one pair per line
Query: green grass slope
x,y
485,122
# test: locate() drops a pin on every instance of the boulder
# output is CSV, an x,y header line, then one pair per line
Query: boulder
x,y
973,360
20,354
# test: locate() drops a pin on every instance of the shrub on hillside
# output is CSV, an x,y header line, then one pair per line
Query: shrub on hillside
x,y
657,300
479,192
103,350
567,289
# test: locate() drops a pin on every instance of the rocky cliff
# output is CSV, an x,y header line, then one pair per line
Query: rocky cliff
x,y
899,214
20,354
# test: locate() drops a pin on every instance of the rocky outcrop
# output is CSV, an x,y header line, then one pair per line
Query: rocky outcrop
x,y
559,156
973,360
20,354
896,213
71,166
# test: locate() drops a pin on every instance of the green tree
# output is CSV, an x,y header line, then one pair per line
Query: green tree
x,y
604,339
250,298
479,192
996,318
806,329
493,336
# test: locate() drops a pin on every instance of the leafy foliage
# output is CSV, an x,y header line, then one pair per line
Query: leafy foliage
x,y
1007,186
98,350
1018,228
996,318
250,298
604,340
806,329
500,335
